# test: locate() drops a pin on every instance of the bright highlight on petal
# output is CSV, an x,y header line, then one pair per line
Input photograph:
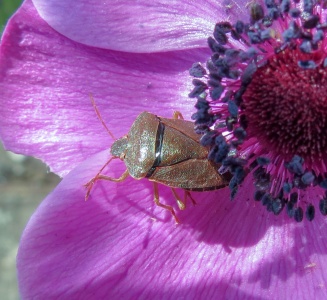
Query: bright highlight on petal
x,y
264,90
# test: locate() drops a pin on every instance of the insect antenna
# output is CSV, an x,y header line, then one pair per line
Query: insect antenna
x,y
100,117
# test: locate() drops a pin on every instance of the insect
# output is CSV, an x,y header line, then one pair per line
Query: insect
x,y
165,151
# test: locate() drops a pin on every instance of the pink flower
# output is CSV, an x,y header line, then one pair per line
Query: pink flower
x,y
134,56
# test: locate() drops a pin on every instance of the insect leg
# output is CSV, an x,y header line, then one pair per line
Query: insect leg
x,y
177,115
98,176
179,201
158,203
188,194
121,178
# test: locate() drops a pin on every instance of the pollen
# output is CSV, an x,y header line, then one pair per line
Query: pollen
x,y
261,104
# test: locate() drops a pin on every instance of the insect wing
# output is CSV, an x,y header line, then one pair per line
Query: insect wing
x,y
177,147
192,174
185,127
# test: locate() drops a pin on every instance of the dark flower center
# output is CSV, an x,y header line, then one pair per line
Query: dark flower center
x,y
286,106
262,103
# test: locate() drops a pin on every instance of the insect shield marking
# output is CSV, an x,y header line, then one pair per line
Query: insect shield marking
x,y
166,151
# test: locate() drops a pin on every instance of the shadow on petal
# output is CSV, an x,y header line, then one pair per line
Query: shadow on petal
x,y
119,244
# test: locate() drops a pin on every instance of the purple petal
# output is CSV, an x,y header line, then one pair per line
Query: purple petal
x,y
119,245
138,26
46,79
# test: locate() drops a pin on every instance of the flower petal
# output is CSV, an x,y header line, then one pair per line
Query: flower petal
x,y
46,79
118,245
138,26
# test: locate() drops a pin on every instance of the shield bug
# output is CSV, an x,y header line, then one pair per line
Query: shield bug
x,y
165,151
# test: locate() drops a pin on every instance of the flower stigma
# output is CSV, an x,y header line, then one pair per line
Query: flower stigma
x,y
262,103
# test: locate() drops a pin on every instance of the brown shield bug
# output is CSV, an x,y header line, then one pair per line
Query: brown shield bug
x,y
165,151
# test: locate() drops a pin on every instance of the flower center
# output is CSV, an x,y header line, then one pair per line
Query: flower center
x,y
262,104
286,106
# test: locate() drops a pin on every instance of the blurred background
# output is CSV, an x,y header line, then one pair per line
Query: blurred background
x,y
24,182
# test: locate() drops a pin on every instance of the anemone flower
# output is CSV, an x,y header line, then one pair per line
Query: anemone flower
x,y
259,92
